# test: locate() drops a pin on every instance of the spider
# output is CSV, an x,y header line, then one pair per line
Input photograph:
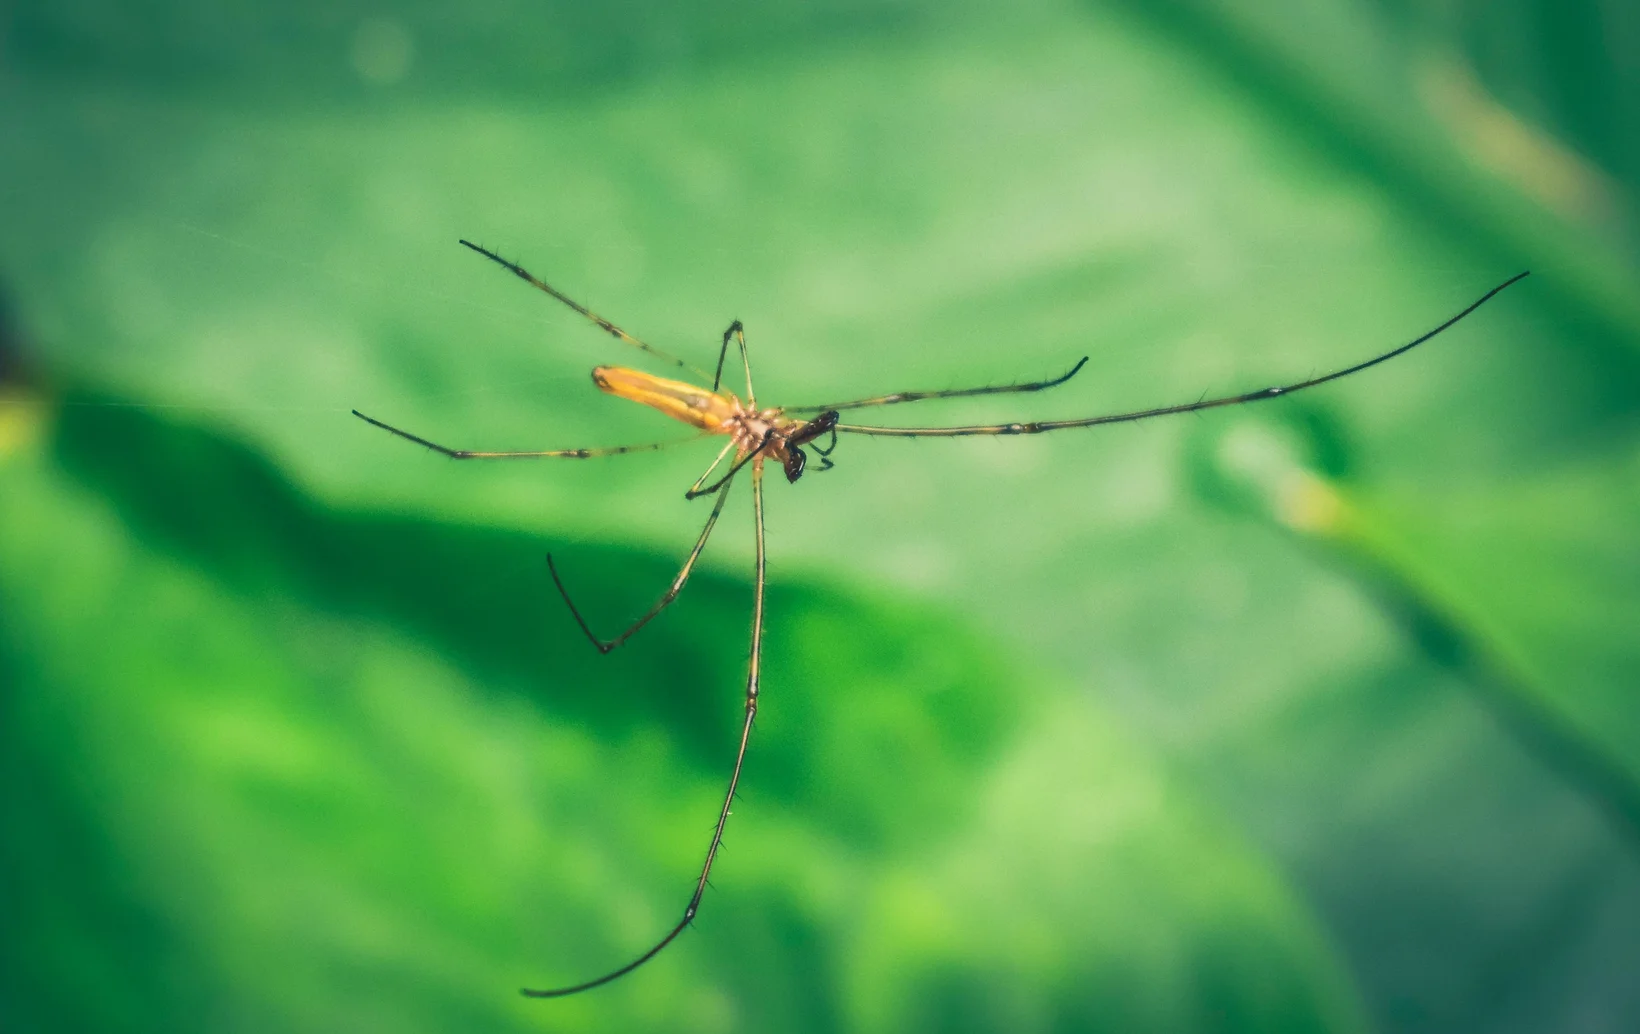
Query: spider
x,y
756,435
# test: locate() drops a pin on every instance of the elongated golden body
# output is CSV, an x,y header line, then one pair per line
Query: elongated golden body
x,y
680,400
768,432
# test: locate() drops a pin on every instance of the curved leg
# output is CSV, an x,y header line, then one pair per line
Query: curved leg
x,y
712,848
1041,426
604,646
954,393
696,492
825,454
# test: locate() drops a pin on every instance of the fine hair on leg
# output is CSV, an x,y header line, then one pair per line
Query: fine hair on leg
x,y
753,678
563,454
604,646
1042,426
951,393
609,328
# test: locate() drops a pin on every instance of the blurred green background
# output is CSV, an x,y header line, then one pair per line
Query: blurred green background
x,y
1314,715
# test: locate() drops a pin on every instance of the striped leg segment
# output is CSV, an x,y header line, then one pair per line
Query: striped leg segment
x,y
565,454
604,646
1041,426
752,685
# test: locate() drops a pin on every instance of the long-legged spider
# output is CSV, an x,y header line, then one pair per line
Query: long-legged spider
x,y
755,435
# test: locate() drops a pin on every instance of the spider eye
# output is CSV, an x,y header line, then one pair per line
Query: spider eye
x,y
794,463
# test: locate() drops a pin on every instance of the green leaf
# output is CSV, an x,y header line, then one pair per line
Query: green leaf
x,y
244,212
290,767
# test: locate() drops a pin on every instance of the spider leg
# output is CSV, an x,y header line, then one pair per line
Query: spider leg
x,y
752,686
696,492
739,332
608,327
919,396
1038,427
830,446
723,353
571,454
809,435
604,646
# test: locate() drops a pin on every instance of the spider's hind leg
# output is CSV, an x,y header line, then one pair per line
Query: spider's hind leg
x,y
682,579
